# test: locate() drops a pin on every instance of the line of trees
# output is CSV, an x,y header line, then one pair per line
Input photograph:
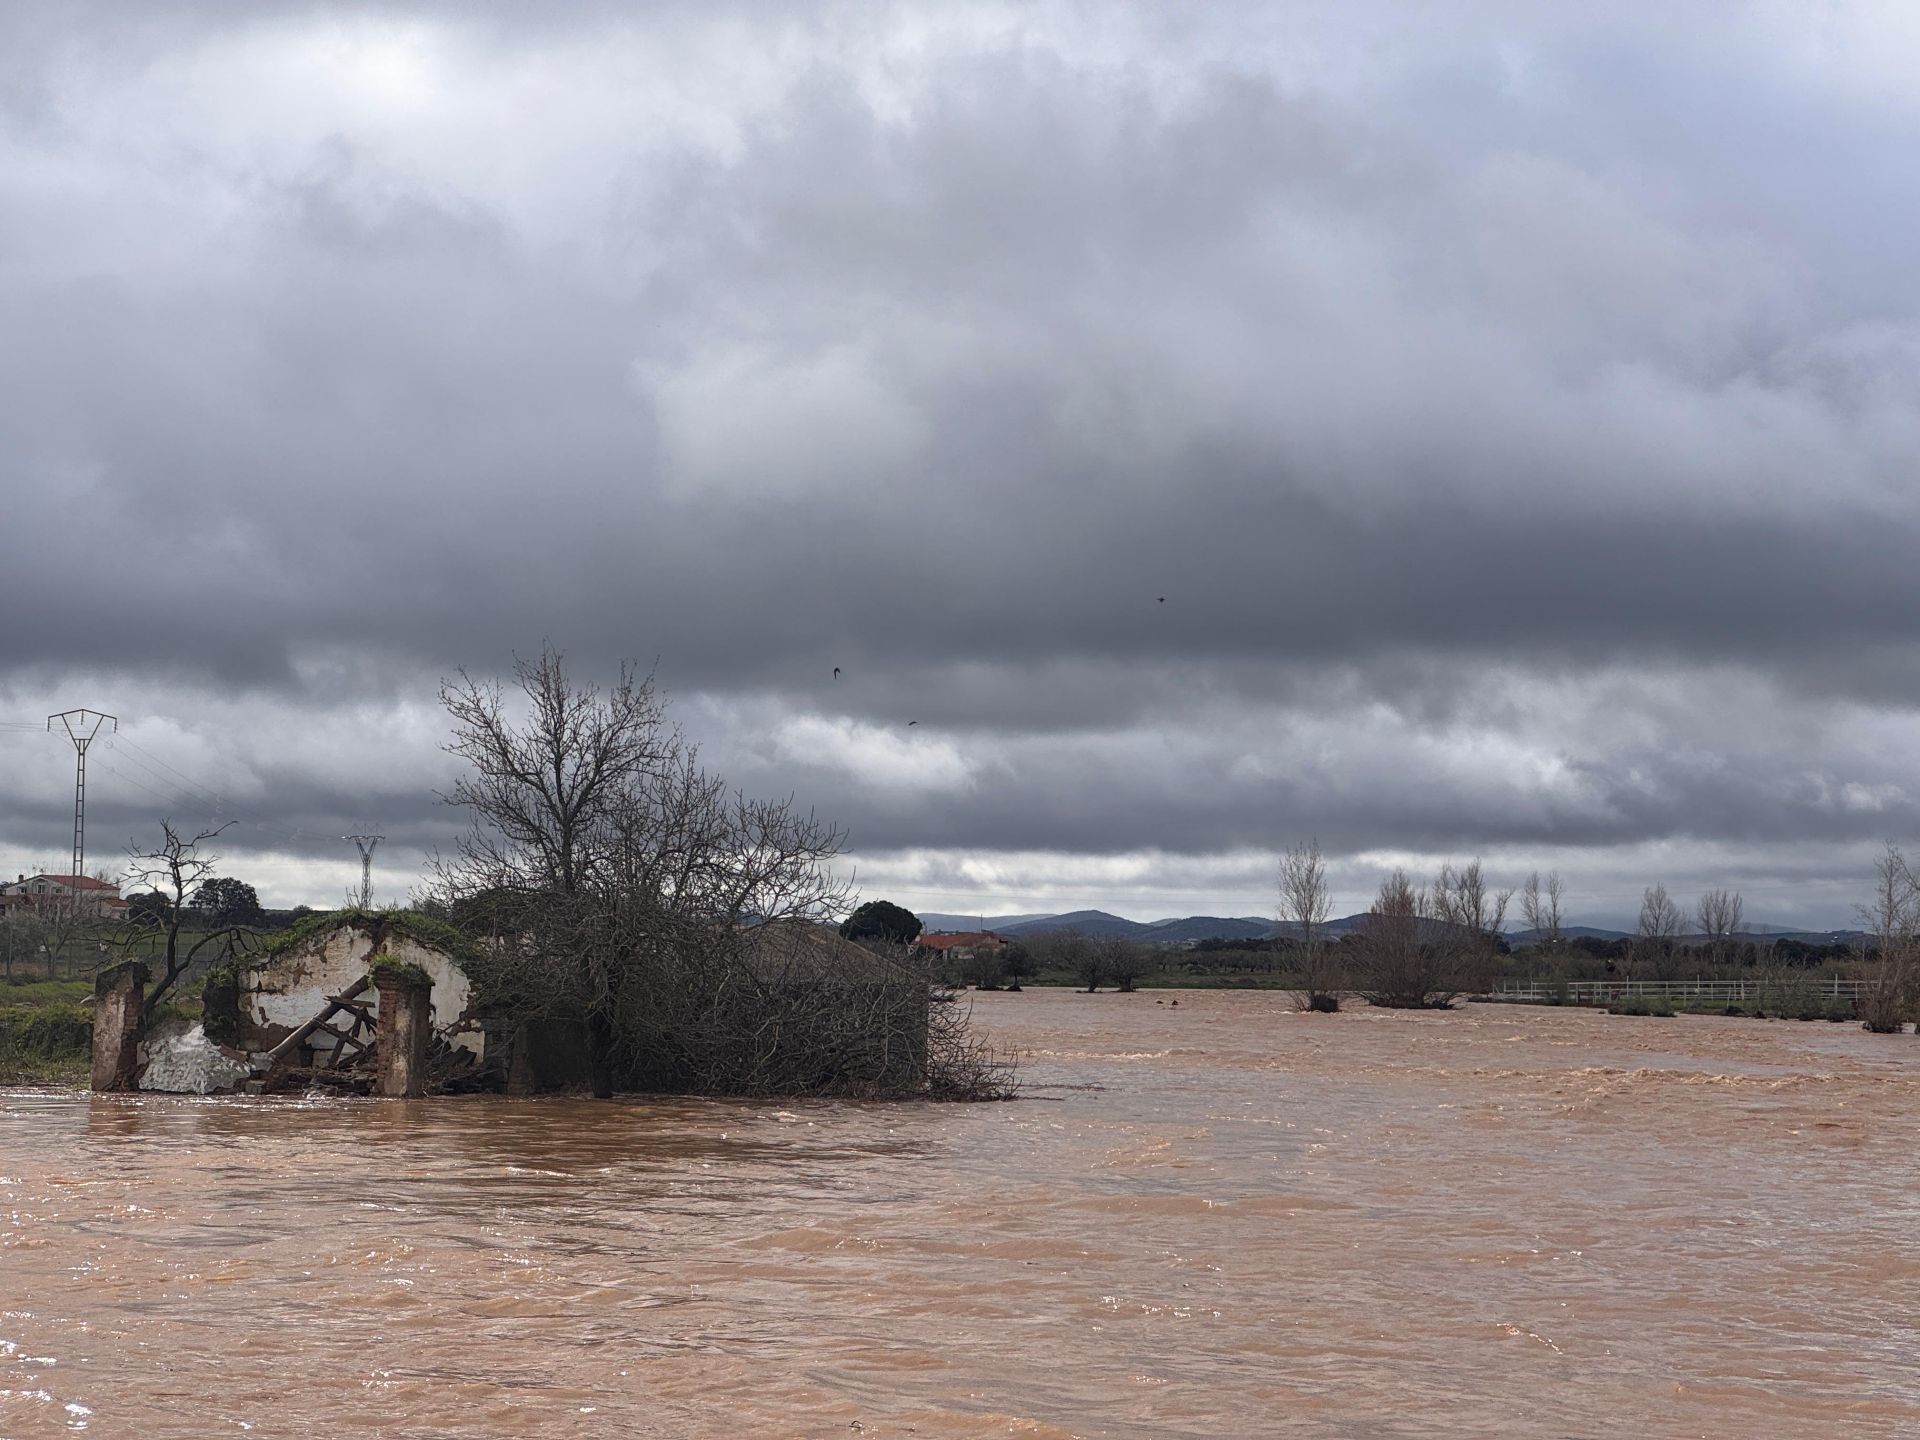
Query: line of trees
x,y
1425,946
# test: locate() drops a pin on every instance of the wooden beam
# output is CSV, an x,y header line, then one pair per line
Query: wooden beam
x,y
334,1002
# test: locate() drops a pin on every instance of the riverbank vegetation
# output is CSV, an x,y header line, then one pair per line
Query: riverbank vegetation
x,y
46,1030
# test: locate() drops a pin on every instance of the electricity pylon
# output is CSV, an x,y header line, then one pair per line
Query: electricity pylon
x,y
81,726
368,844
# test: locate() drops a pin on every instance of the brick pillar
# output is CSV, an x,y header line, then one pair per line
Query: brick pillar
x,y
119,1005
401,1035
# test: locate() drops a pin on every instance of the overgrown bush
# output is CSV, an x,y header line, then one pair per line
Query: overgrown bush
x,y
1641,1005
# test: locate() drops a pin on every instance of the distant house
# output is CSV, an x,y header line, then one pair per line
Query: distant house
x,y
40,894
962,944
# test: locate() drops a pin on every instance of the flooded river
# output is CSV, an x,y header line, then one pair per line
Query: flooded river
x,y
1218,1218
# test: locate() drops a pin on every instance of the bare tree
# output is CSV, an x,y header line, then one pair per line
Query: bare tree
x,y
1395,965
70,922
1081,957
1540,908
1473,916
545,795
23,935
1425,948
687,924
174,869
1892,949
1305,907
1122,961
1720,914
1658,929
695,881
1070,952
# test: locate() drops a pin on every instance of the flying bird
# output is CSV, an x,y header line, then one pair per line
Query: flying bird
x,y
836,672
913,722
1163,599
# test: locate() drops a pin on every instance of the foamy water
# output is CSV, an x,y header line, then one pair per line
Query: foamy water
x,y
1215,1219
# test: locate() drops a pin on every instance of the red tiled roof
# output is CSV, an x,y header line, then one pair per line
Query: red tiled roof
x,y
79,882
959,939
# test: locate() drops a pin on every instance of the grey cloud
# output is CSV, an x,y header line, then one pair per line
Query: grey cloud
x,y
1445,360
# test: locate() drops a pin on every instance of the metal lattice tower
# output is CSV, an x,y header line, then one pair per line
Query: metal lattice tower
x,y
81,726
368,844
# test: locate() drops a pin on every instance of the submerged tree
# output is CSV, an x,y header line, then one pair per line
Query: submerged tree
x,y
1393,963
1305,907
1423,949
1072,953
1122,961
1657,933
1720,915
1540,908
1892,948
1472,916
546,797
684,923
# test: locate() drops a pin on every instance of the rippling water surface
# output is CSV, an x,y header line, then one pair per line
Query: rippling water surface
x,y
1217,1218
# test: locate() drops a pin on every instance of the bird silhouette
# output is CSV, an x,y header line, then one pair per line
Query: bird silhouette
x,y
1163,599
913,722
836,672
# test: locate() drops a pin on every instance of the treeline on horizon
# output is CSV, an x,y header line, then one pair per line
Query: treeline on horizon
x,y
1426,946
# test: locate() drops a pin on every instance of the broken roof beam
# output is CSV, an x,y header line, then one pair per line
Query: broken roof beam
x,y
334,1003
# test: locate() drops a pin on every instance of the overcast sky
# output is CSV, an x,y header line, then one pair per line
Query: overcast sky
x,y
1516,405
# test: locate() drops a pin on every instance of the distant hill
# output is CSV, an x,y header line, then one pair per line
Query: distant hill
x,y
1569,932
931,920
1345,925
1208,927
1095,924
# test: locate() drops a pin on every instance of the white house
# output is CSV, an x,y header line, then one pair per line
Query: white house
x,y
40,893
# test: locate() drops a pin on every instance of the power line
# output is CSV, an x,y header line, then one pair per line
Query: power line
x,y
194,790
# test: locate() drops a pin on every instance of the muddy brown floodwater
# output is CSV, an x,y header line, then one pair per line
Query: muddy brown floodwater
x,y
1218,1219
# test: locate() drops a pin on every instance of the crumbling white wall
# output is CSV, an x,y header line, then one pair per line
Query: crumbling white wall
x,y
179,1059
289,989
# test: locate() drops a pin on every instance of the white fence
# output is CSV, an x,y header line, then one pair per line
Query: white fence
x,y
1605,992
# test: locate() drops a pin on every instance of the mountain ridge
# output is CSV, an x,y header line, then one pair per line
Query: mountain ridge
x,y
1191,929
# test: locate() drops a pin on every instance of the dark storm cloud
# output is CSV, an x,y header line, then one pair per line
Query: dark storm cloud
x,y
1439,376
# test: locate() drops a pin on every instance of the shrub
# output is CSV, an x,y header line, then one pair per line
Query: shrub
x,y
1641,1005
48,1032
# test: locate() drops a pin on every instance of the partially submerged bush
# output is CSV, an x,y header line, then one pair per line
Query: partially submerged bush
x,y
794,1010
1641,1005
